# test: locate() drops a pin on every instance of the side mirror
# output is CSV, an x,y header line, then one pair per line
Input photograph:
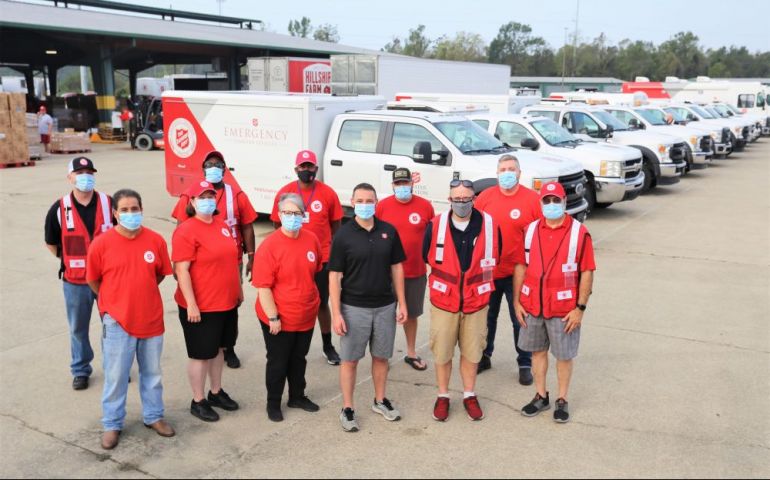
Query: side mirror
x,y
530,143
607,132
691,117
633,123
423,153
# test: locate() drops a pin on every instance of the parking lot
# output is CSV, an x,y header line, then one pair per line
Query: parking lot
x,y
672,377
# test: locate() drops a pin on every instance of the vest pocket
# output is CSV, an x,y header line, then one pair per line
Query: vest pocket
x,y
75,246
440,287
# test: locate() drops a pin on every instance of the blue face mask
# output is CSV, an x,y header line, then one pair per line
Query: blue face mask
x,y
291,223
214,174
553,211
205,206
364,211
403,192
85,182
130,220
507,180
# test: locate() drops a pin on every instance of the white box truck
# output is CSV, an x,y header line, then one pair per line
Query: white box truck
x,y
444,102
387,74
290,74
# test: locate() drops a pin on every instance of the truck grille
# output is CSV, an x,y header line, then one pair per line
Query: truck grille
x,y
574,186
705,144
678,151
725,135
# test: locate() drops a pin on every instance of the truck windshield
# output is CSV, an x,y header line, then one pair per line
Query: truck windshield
x,y
703,113
679,114
733,109
610,121
553,133
469,137
724,111
655,117
714,113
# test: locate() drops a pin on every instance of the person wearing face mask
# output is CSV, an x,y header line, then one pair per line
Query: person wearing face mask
x,y
323,217
72,223
287,262
366,288
233,205
462,248
208,294
552,287
125,264
513,207
410,214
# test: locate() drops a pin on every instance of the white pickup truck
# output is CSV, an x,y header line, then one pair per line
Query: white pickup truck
x,y
664,155
614,172
732,132
259,134
749,130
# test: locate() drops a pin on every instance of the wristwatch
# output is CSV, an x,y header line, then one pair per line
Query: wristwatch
x,y
274,319
582,307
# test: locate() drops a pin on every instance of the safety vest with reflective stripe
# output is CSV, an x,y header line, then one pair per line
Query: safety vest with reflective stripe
x,y
230,219
75,239
550,287
451,289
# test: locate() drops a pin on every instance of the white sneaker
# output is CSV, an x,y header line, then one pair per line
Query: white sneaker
x,y
385,408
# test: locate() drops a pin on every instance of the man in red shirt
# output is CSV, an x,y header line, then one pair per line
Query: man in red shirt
x,y
234,207
513,207
552,288
410,214
125,266
323,217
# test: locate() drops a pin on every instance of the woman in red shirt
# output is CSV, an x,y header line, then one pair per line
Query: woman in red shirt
x,y
287,301
205,257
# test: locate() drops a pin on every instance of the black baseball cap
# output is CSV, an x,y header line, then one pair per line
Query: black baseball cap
x,y
401,175
80,163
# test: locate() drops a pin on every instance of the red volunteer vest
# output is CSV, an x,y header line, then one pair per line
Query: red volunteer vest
x,y
75,239
451,289
550,286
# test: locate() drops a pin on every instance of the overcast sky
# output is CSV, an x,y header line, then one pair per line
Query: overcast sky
x,y
372,23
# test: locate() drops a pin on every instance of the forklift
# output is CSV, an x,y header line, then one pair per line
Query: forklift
x,y
146,128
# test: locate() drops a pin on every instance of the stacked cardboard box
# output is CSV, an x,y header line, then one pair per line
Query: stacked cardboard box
x,y
13,128
36,149
70,142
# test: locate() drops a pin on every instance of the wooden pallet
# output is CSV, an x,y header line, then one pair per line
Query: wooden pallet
x,y
60,152
18,164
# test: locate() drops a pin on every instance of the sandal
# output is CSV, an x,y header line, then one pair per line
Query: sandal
x,y
414,363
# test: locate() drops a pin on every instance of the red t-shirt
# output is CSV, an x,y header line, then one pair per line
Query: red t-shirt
x,y
129,269
242,210
288,266
322,206
214,264
512,214
410,219
551,238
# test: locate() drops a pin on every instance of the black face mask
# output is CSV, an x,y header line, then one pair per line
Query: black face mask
x,y
306,176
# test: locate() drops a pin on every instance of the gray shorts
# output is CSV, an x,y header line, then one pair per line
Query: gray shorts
x,y
542,333
375,327
414,290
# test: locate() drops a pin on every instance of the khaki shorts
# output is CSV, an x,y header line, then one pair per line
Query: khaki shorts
x,y
447,330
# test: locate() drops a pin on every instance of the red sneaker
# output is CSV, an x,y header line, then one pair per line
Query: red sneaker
x,y
441,409
473,408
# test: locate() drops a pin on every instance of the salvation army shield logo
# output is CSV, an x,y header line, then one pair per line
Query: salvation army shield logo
x,y
515,214
316,206
414,218
149,257
310,256
182,137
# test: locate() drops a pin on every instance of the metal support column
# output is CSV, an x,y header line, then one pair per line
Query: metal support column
x,y
104,84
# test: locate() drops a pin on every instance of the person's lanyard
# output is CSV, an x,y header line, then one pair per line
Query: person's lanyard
x,y
312,192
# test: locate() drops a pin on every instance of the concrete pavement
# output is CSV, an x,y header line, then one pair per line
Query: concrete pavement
x,y
672,377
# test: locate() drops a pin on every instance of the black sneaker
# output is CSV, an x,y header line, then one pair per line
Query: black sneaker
x,y
222,400
80,383
525,376
561,414
331,355
231,358
303,403
537,405
274,413
203,411
485,363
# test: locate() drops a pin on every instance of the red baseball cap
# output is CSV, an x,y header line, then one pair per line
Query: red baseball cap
x,y
196,189
214,153
552,188
306,156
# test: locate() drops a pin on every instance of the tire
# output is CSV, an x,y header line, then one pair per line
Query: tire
x,y
649,176
603,205
143,142
590,195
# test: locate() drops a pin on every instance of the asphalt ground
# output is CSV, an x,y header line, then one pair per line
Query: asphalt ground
x,y
671,380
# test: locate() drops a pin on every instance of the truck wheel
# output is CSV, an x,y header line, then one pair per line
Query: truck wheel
x,y
649,176
143,142
603,205
590,195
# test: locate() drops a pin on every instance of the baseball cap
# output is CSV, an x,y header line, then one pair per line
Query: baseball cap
x,y
552,188
80,163
305,156
196,189
402,174
213,153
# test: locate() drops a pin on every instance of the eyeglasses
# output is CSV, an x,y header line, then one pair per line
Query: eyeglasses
x,y
292,213
550,199
457,182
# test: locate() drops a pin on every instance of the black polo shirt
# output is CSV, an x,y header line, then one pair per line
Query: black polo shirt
x,y
464,240
364,258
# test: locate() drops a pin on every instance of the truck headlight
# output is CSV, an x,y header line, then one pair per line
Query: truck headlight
x,y
694,141
714,135
611,168
737,130
538,183
663,151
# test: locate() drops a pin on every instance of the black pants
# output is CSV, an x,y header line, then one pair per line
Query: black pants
x,y
286,360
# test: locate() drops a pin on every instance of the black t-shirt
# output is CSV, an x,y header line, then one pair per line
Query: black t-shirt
x,y
464,240
87,213
364,258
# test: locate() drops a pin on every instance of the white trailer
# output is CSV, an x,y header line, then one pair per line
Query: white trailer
x,y
290,74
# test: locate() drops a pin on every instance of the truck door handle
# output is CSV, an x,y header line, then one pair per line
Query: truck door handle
x,y
337,163
389,167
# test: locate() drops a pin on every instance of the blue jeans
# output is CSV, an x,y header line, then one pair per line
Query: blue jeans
x,y
504,286
119,349
79,300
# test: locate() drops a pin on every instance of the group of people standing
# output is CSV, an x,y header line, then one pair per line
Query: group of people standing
x,y
360,279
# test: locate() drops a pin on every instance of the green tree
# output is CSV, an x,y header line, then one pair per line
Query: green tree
x,y
681,56
417,44
464,46
394,46
635,59
327,33
513,46
300,28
